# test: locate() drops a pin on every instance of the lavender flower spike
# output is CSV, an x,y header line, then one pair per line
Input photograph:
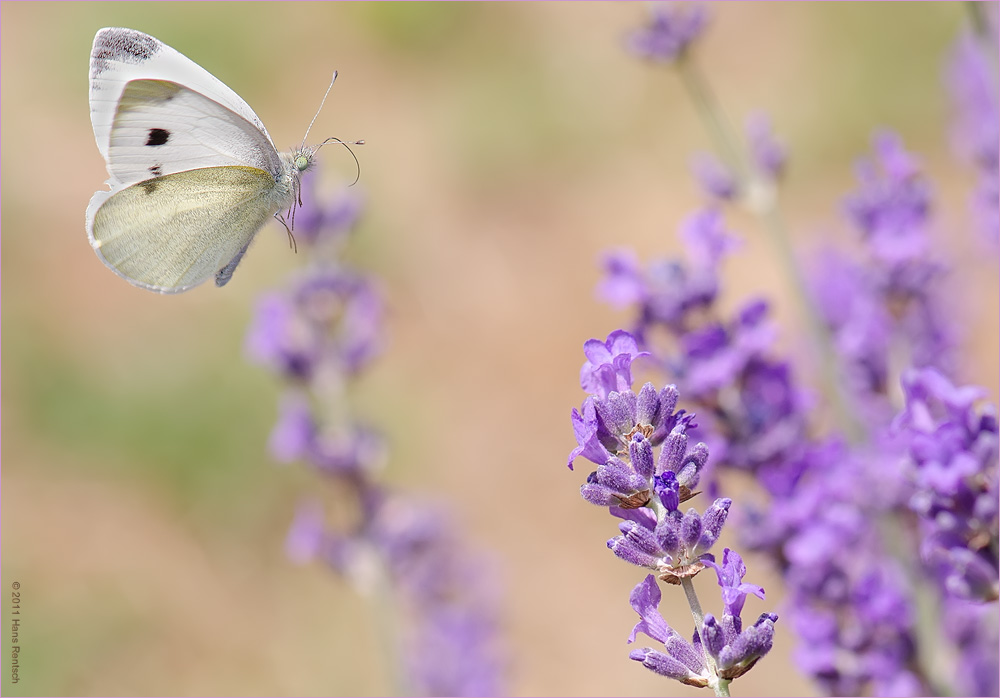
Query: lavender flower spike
x,y
733,649
681,661
734,589
609,363
669,33
954,445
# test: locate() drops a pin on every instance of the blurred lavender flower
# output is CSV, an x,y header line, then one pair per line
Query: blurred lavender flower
x,y
972,79
815,527
891,206
953,449
715,178
832,506
326,218
669,33
668,292
318,334
887,306
329,317
747,427
767,154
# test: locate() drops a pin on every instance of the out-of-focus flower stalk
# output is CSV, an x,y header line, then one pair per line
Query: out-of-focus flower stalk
x,y
433,606
760,195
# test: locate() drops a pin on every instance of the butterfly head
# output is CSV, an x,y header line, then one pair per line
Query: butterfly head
x,y
303,158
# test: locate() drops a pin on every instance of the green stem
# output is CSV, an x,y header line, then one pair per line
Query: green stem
x,y
762,199
714,117
986,37
383,605
719,684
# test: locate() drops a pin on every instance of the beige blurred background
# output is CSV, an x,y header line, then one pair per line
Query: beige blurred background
x,y
507,146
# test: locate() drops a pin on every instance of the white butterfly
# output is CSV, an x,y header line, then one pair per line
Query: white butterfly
x,y
193,172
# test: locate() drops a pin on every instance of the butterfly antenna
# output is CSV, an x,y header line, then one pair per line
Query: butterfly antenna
x,y
332,80
347,144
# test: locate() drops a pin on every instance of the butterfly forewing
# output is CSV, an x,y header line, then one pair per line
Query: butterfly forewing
x,y
161,128
121,55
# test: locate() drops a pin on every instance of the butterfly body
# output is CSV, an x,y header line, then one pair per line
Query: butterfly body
x,y
193,172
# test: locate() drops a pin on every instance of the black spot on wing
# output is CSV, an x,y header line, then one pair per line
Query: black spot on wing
x,y
157,136
123,45
156,170
149,186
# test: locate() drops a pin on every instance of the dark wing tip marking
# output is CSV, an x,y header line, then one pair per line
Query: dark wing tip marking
x,y
123,45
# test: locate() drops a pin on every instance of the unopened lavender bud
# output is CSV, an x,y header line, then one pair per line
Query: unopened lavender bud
x,y
690,473
628,551
641,537
712,636
641,454
665,665
691,528
617,412
672,451
647,404
668,532
715,517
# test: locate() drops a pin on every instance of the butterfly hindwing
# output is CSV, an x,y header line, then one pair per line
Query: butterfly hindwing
x,y
174,232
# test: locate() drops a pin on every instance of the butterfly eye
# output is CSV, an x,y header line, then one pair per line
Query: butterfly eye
x,y
301,163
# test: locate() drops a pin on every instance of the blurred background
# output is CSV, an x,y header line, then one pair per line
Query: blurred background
x,y
508,144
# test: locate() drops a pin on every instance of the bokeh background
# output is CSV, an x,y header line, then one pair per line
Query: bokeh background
x,y
507,146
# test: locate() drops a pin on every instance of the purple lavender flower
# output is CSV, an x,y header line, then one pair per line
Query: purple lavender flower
x,y
668,292
715,178
676,545
734,590
318,334
972,79
892,203
669,33
681,661
832,506
278,339
860,323
609,363
733,649
953,447
613,414
306,534
706,238
971,626
323,218
888,303
295,430
767,153
328,315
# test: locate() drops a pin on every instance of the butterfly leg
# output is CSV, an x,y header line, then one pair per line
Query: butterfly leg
x,y
223,276
291,238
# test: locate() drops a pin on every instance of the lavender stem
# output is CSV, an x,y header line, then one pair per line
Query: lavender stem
x,y
762,200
